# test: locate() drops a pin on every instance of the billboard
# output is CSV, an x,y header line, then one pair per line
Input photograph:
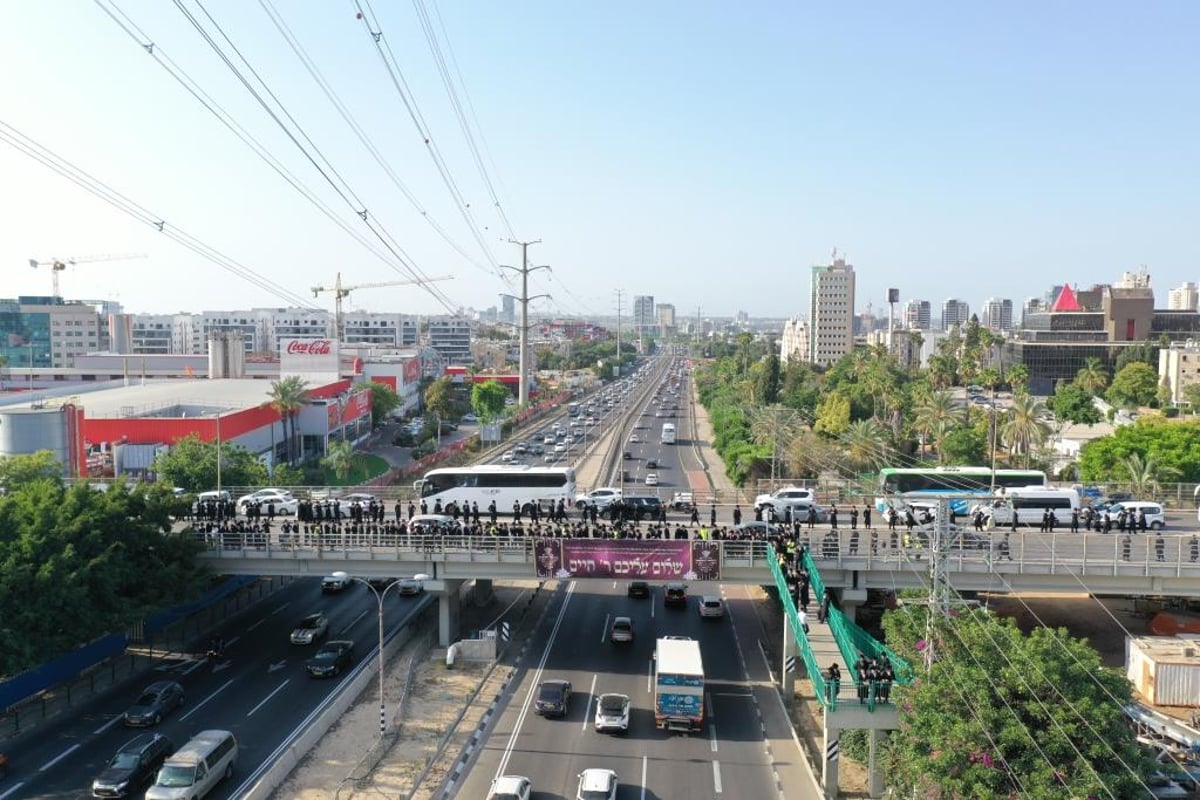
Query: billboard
x,y
651,559
308,356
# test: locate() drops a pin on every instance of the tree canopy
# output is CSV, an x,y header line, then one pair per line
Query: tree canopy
x,y
76,563
487,400
1134,385
1174,445
1072,402
1003,714
384,401
191,464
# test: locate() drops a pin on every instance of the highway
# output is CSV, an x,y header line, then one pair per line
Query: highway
x,y
260,691
728,759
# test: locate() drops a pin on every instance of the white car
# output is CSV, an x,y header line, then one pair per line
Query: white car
x,y
634,438
1156,520
335,582
711,606
282,499
510,787
313,627
652,479
780,497
560,448
612,713
597,784
508,456
601,498
360,498
411,586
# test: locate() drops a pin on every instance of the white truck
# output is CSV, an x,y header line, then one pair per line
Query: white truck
x,y
678,685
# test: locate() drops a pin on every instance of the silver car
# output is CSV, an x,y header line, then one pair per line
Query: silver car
x,y
612,713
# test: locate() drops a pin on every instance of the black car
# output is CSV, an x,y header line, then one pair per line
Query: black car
x,y
652,463
331,659
554,698
155,702
639,589
134,766
642,507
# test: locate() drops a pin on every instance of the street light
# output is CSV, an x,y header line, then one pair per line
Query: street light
x,y
379,596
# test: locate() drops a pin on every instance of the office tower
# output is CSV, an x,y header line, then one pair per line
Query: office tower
x,y
918,315
831,312
955,312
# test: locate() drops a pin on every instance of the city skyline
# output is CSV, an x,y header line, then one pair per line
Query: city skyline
x,y
958,148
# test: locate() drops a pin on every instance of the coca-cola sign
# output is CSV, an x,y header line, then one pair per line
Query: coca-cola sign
x,y
309,347
308,357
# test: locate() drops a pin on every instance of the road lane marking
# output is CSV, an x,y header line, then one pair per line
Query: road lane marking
x,y
231,642
22,783
643,778
268,697
200,705
346,629
58,758
717,777
255,625
587,710
604,630
195,665
533,687
108,724
651,606
650,677
712,736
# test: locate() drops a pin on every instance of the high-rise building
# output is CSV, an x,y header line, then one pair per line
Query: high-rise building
x,y
918,315
508,308
1184,298
666,319
955,312
794,341
831,312
997,314
643,314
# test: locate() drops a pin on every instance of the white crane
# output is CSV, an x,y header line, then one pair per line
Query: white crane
x,y
56,266
339,291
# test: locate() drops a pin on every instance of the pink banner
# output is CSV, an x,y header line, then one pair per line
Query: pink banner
x,y
650,559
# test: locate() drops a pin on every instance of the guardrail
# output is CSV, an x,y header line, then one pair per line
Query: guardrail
x,y
806,653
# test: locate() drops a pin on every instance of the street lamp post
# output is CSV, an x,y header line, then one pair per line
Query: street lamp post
x,y
379,596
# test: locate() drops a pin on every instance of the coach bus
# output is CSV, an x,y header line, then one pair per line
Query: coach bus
x,y
505,484
668,433
963,485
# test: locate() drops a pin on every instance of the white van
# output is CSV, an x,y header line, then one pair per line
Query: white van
x,y
1031,503
196,767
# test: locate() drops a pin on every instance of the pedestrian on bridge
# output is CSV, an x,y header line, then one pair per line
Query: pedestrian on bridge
x,y
712,516
737,516
866,516
834,687
1126,546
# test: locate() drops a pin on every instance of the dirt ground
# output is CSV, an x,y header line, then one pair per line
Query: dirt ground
x,y
437,696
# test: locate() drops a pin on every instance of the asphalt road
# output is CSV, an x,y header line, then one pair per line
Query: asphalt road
x,y
260,691
727,759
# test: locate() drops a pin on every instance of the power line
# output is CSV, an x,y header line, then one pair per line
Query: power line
x,y
22,143
523,271
213,107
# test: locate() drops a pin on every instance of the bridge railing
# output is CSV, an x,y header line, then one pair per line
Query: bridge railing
x,y
810,660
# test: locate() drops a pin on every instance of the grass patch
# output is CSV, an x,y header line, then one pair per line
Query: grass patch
x,y
365,466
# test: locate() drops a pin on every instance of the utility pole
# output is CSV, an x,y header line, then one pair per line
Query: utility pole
x,y
941,533
524,270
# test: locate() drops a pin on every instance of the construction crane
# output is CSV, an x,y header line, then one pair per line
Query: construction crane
x,y
56,266
339,291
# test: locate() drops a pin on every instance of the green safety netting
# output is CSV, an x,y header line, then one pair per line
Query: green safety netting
x,y
806,653
851,639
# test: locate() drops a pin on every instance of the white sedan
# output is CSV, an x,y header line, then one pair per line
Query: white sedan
x,y
281,499
652,479
634,439
510,787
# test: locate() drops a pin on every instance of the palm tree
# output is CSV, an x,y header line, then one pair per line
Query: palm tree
x,y
775,426
1023,427
937,436
864,444
934,408
1144,474
287,397
1092,376
1018,378
340,458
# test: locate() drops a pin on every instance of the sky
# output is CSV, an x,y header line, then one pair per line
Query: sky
x,y
706,153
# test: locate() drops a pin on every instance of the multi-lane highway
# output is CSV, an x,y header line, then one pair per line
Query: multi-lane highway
x,y
260,691
727,759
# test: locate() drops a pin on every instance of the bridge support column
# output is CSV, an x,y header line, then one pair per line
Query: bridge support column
x,y
875,783
449,606
849,600
483,591
829,768
787,679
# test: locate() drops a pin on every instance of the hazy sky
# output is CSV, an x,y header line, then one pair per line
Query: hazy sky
x,y
705,152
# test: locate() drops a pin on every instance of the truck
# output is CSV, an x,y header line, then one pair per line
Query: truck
x,y
678,685
668,433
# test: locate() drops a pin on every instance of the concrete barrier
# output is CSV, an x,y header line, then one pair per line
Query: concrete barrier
x,y
279,765
483,650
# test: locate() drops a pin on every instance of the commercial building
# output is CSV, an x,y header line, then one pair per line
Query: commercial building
x,y
918,315
47,332
955,312
666,319
831,312
1184,298
644,320
451,338
794,341
997,314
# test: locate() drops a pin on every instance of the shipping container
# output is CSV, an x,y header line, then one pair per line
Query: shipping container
x,y
1164,670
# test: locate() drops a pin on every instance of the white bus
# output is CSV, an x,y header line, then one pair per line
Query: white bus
x,y
505,484
668,433
1030,505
